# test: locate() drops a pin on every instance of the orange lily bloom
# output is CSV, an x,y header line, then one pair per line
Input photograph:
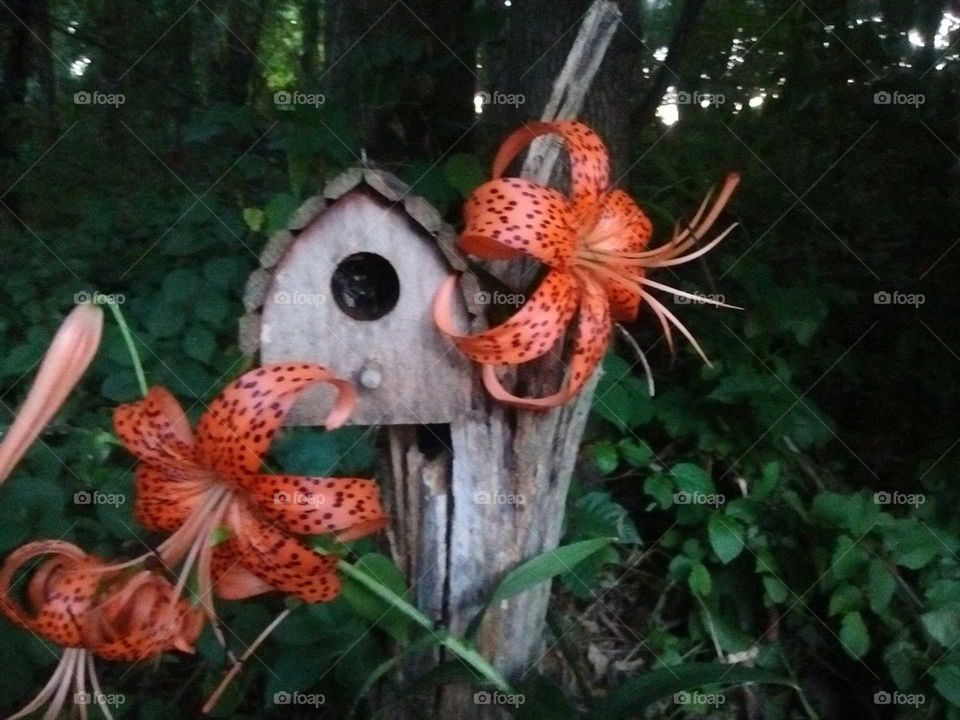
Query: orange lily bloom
x,y
76,601
192,485
70,354
593,240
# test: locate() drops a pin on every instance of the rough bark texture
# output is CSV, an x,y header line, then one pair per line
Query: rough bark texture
x,y
495,495
397,92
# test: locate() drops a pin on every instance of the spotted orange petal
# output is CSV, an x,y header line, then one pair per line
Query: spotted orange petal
x,y
59,592
589,345
157,431
141,617
163,503
281,560
231,580
621,228
236,430
350,507
529,334
508,218
589,162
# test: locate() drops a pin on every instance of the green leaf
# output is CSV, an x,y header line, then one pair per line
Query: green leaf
x,y
947,682
692,479
638,454
726,537
464,172
699,580
912,545
374,608
546,566
660,488
633,697
943,624
846,598
181,286
212,308
880,586
199,343
254,218
769,479
854,635
605,456
775,588
278,209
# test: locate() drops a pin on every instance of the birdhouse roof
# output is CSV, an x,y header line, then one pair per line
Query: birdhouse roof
x,y
386,187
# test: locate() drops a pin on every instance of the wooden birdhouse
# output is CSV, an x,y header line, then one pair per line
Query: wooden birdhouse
x,y
349,284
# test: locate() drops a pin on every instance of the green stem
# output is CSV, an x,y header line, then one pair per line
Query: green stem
x,y
454,644
128,338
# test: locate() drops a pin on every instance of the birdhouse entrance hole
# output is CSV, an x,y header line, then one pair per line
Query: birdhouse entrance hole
x,y
365,286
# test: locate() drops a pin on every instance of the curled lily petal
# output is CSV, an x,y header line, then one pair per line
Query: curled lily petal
x,y
505,219
529,334
621,228
236,430
594,325
70,354
318,505
281,560
589,162
52,576
231,580
157,431
141,617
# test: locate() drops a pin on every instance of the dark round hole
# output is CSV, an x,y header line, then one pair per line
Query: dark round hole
x,y
365,286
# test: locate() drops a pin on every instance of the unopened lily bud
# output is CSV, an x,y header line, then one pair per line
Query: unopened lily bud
x,y
70,354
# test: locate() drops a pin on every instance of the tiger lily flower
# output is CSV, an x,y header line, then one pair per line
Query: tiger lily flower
x,y
593,242
75,601
192,485
70,354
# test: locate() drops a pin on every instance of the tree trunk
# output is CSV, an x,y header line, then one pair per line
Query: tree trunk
x,y
235,68
492,498
410,105
310,50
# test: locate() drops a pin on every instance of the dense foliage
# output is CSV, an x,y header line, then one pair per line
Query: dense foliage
x,y
790,507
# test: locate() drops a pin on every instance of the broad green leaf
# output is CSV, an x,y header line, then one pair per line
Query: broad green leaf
x,y
775,588
943,624
545,566
637,453
660,488
254,218
374,608
199,343
912,545
769,479
699,580
464,172
947,682
846,598
605,456
726,537
880,586
692,478
854,635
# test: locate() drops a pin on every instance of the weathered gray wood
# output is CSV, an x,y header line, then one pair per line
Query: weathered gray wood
x,y
422,380
571,86
500,457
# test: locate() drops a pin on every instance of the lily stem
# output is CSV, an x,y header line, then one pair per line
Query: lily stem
x,y
454,644
128,339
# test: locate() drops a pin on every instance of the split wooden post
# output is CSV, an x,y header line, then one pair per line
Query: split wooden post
x,y
475,488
